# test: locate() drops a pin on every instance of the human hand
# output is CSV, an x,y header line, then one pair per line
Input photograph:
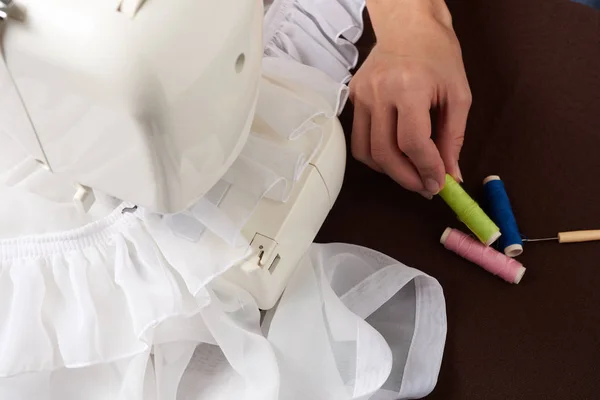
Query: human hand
x,y
415,66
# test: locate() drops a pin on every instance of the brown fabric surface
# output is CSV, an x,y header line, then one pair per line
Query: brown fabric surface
x,y
534,69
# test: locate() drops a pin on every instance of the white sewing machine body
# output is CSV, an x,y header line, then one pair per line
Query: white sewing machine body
x,y
281,233
172,90
151,103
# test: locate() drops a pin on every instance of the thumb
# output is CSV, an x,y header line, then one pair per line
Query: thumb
x,y
451,132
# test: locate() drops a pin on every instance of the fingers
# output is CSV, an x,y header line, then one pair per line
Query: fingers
x,y
392,126
414,139
361,136
397,142
452,123
385,152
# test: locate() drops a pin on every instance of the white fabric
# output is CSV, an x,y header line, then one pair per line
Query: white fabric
x,y
322,329
134,306
294,101
91,295
319,33
309,52
33,200
107,293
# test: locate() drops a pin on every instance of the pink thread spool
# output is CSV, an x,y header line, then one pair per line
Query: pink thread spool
x,y
487,258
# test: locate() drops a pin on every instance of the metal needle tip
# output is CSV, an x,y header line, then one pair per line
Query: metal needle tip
x,y
540,240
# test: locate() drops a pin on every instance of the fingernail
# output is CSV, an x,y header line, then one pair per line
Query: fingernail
x,y
459,174
427,195
432,186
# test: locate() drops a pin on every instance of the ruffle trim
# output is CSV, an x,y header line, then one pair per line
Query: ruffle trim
x,y
294,104
317,33
93,295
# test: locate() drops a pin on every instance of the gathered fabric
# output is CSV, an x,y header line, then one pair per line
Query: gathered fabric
x,y
135,312
124,304
318,33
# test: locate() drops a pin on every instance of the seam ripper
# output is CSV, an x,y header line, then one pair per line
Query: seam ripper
x,y
571,237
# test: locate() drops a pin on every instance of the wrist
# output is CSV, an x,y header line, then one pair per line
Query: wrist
x,y
418,5
388,16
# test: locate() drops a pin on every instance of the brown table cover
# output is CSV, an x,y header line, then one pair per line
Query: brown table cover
x,y
534,70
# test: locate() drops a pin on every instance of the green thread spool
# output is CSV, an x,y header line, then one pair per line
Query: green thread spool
x,y
469,212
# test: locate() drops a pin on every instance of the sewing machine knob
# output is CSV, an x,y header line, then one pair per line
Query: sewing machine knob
x,y
4,6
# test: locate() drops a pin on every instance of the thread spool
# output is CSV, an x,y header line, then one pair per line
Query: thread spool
x,y
469,212
502,214
487,258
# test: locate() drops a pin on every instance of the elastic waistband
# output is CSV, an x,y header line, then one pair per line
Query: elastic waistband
x,y
94,233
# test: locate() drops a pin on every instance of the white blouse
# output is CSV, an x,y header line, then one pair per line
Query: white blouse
x,y
120,306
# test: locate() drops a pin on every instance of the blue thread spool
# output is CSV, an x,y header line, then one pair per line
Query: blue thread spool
x,y
501,213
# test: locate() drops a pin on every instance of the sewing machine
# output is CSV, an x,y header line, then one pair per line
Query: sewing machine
x,y
151,102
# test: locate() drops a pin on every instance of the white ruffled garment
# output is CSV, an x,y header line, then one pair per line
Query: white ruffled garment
x,y
122,304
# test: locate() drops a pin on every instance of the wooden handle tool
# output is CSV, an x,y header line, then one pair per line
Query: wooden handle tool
x,y
571,237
